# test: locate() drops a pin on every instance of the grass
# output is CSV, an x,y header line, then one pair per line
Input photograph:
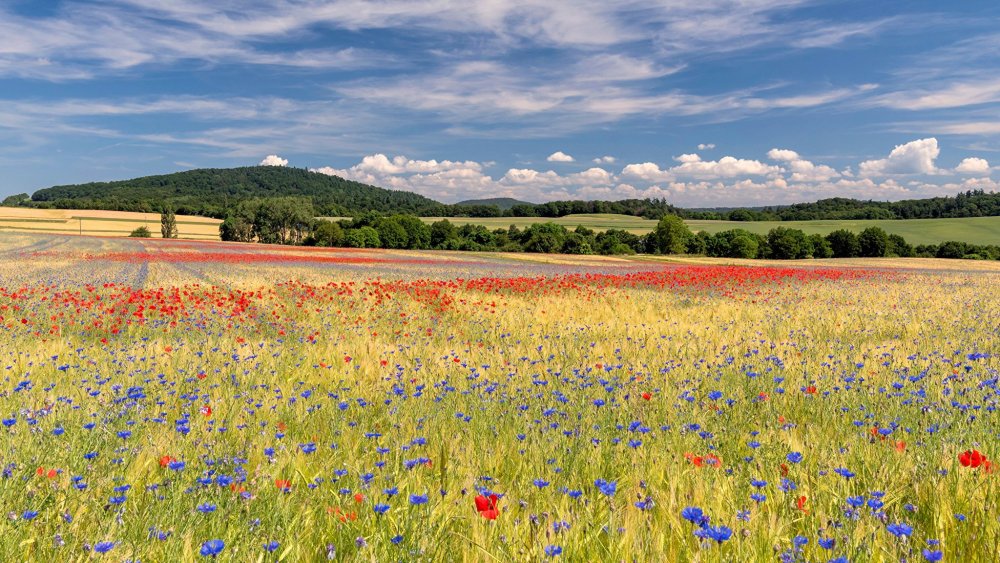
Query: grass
x,y
108,223
450,374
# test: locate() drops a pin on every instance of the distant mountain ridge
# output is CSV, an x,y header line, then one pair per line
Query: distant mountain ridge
x,y
212,191
215,192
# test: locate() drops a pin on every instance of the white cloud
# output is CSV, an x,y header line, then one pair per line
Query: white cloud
x,y
802,170
706,146
647,171
915,157
605,160
725,167
973,165
560,156
274,160
958,94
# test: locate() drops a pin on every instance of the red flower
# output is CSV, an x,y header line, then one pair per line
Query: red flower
x,y
487,506
359,498
165,460
206,410
647,396
284,485
901,446
971,458
800,503
811,390
784,470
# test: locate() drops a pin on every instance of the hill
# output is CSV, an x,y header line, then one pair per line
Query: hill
x,y
501,202
211,191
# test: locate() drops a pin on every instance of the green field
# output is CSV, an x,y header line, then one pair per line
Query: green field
x,y
976,230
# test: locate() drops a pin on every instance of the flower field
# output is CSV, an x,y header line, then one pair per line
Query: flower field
x,y
177,400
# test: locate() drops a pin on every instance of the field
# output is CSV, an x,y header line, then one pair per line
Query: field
x,y
105,223
976,230
178,400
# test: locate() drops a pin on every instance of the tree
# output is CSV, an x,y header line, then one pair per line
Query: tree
x,y
327,233
844,244
735,243
391,233
418,232
899,247
168,224
787,244
544,237
441,232
364,237
874,242
671,235
15,200
820,246
141,232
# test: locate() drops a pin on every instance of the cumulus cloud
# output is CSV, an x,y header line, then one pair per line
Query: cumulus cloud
x,y
690,182
915,157
274,160
560,156
725,167
706,146
973,165
605,160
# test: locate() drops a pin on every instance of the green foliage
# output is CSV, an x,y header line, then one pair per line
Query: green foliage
x,y
141,232
671,235
168,224
326,233
873,242
787,244
821,247
735,243
844,244
362,237
17,200
899,247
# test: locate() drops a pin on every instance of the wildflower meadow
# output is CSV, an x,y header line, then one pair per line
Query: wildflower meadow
x,y
178,400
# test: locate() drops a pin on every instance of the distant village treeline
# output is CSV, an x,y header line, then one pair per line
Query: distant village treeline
x,y
216,192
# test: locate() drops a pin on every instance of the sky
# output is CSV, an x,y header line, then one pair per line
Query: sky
x,y
705,103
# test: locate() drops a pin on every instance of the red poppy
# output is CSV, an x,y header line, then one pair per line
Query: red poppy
x,y
971,458
487,506
359,498
206,410
800,503
784,470
811,390
900,446
283,485
647,396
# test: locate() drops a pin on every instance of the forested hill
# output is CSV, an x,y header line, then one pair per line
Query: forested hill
x,y
503,203
213,191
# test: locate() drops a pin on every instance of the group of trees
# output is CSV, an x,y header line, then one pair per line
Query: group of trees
x,y
289,221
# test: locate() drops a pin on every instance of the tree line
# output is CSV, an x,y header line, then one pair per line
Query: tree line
x,y
290,220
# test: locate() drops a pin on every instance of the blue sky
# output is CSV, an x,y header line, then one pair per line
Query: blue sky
x,y
702,102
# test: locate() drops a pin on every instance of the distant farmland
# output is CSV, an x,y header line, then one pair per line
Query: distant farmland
x,y
101,223
976,230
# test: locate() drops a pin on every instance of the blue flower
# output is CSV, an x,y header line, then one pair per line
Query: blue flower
x,y
205,508
553,550
899,530
694,515
418,499
826,543
933,554
380,508
541,483
717,533
606,487
104,546
175,465
794,457
29,514
308,448
396,540
271,546
211,548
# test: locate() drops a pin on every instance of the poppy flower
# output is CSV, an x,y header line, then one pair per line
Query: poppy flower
x,y
647,396
811,390
971,458
165,461
800,503
487,506
900,446
359,498
206,410
284,485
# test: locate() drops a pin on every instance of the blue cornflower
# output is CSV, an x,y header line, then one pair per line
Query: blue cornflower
x,y
900,529
104,546
694,515
794,457
418,499
271,546
553,550
826,543
29,514
606,487
933,554
211,548
540,483
206,508
380,508
308,448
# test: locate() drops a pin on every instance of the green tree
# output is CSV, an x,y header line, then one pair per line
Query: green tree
x,y
168,224
327,233
844,244
391,233
544,237
364,237
820,246
418,233
787,244
141,232
899,247
873,242
441,233
671,235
